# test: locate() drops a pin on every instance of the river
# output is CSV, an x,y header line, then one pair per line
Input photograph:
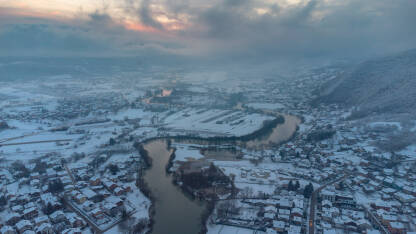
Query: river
x,y
175,212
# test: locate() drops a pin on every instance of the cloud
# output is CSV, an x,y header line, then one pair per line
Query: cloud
x,y
315,29
94,34
227,30
142,11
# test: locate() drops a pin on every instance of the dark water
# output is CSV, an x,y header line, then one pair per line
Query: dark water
x,y
280,133
175,212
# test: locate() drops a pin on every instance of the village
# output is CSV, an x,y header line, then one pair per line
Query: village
x,y
72,165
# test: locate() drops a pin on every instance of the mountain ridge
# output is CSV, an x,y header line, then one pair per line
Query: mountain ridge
x,y
383,85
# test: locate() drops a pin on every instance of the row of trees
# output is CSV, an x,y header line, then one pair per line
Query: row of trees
x,y
307,191
293,186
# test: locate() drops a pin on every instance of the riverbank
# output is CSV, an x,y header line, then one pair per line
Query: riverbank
x,y
267,129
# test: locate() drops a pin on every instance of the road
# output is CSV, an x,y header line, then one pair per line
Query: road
x,y
314,198
35,142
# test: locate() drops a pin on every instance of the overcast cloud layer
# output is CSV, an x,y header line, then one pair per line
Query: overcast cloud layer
x,y
221,29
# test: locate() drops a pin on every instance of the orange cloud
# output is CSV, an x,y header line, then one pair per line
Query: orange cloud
x,y
139,27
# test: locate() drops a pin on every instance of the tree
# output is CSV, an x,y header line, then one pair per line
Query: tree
x,y
290,186
297,185
56,186
3,201
20,167
307,191
48,209
40,167
341,185
113,168
247,192
140,226
112,141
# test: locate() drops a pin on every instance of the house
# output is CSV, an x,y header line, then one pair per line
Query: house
x,y
269,216
30,213
328,195
296,212
57,216
345,201
396,228
12,218
17,208
293,229
29,232
96,212
284,214
59,227
386,219
271,231
34,176
7,230
75,221
72,231
127,189
285,204
326,204
95,181
80,198
296,220
23,225
404,198
118,191
69,188
380,205
270,209
45,228
51,173
109,185
115,200
90,195
48,198
111,209
66,180
88,206
41,220
279,226
364,224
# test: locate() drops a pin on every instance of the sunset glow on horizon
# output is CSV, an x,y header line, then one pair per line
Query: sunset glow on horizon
x,y
223,28
60,9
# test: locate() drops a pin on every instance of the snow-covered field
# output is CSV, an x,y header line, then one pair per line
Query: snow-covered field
x,y
214,122
266,106
224,229
186,152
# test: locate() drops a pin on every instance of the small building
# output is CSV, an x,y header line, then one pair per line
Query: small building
x,y
57,216
45,228
30,213
24,225
7,230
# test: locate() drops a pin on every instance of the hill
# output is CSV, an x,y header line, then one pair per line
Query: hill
x,y
384,85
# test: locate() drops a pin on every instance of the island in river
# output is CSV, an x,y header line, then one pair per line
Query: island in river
x,y
176,211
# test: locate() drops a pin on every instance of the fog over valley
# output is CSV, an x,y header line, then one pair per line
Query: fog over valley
x,y
224,116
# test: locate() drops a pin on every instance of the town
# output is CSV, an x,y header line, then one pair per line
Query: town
x,y
76,164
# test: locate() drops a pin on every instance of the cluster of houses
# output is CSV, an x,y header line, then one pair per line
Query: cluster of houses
x,y
99,199
32,204
50,196
277,214
381,193
65,108
340,211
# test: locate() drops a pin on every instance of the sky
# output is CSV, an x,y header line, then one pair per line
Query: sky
x,y
229,30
